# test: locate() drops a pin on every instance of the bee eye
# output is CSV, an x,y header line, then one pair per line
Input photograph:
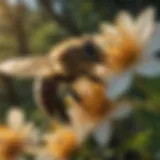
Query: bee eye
x,y
90,51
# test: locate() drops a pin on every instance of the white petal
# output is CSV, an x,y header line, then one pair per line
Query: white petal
x,y
21,158
145,17
108,28
146,25
150,68
121,111
118,85
103,133
49,137
125,21
44,156
15,119
111,35
31,133
35,136
81,122
154,45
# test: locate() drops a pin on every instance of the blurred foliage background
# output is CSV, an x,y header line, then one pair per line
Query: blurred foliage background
x,y
29,27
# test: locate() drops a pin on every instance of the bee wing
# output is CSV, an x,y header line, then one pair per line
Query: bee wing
x,y
26,67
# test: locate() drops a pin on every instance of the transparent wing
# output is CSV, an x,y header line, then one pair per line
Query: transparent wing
x,y
26,67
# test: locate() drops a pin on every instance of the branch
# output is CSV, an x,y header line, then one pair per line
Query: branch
x,y
65,23
17,21
19,29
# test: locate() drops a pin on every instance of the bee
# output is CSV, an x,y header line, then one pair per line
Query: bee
x,y
66,61
100,56
73,57
87,106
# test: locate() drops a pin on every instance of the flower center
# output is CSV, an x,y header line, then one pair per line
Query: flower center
x,y
10,143
124,56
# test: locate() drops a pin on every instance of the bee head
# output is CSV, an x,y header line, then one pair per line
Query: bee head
x,y
79,56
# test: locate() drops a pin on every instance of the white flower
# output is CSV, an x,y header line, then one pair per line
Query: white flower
x,y
103,132
127,54
16,121
16,134
58,144
126,45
